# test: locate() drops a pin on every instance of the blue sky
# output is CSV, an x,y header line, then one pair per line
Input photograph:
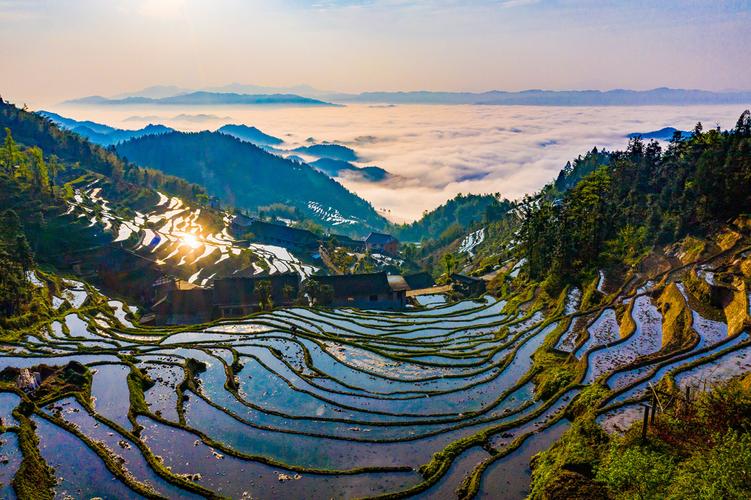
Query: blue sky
x,y
57,49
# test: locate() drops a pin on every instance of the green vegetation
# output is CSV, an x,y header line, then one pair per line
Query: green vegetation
x,y
70,148
34,478
635,199
452,219
15,260
696,450
247,176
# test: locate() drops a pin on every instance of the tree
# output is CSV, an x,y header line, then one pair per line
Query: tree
x,y
9,151
40,179
202,199
54,166
450,262
263,294
316,293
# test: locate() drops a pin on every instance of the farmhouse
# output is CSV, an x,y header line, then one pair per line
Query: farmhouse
x,y
382,243
229,297
366,291
244,295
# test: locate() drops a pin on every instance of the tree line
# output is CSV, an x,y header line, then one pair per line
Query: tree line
x,y
611,207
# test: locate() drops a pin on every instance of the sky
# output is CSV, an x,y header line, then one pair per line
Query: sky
x,y
54,50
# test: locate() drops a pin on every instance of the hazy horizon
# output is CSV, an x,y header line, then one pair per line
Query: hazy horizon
x,y
62,50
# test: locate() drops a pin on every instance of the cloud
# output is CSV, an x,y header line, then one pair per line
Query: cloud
x,y
436,152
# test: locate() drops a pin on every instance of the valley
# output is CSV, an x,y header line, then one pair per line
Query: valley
x,y
435,401
181,347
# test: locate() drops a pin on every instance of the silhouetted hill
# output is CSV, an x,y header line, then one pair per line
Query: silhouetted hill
x,y
98,133
334,168
537,97
249,134
333,151
205,98
664,134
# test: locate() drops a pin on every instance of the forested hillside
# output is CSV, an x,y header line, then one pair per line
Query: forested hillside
x,y
637,198
246,176
453,217
33,130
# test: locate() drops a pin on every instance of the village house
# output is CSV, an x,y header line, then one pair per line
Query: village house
x,y
240,296
227,298
243,295
468,285
417,281
240,224
350,244
162,286
365,291
382,243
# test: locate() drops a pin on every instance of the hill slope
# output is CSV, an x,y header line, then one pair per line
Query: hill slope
x,y
249,134
337,168
104,135
246,176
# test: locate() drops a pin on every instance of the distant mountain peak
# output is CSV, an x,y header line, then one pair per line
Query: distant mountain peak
x,y
249,134
202,97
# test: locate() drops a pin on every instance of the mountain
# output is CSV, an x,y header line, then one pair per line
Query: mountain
x,y
335,168
244,175
332,151
205,98
664,134
98,133
249,134
536,97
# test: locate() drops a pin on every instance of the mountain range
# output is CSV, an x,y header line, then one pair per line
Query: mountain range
x,y
305,95
204,98
327,150
332,159
101,134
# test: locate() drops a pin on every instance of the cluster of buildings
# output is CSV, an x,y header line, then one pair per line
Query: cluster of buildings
x,y
179,302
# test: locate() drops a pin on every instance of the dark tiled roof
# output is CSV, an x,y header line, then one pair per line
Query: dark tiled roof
x,y
241,290
379,239
463,278
348,285
346,241
263,230
419,280
397,282
242,220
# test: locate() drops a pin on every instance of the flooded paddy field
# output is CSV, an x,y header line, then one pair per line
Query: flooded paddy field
x,y
439,401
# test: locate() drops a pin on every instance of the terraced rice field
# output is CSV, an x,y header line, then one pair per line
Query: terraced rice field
x,y
172,235
434,402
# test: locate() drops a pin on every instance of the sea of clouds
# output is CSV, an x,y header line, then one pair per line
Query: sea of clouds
x,y
435,152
